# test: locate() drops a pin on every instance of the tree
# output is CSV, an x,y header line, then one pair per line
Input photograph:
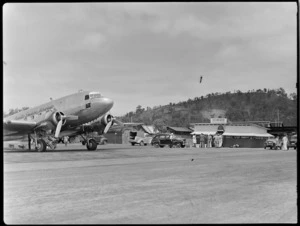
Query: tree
x,y
139,109
293,96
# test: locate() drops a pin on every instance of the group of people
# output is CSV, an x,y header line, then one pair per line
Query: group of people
x,y
285,141
207,141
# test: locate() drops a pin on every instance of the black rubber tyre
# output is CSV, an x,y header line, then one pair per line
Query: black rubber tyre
x,y
156,145
91,145
41,145
83,142
132,143
104,142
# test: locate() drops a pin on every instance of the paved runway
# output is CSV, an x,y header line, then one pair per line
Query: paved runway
x,y
124,184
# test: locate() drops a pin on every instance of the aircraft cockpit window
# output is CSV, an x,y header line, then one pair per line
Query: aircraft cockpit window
x,y
86,97
95,95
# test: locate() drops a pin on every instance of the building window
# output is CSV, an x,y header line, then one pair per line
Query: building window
x,y
87,97
88,105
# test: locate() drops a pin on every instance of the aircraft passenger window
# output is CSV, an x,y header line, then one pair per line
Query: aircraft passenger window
x,y
88,105
86,97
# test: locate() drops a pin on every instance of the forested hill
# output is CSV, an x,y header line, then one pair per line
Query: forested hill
x,y
254,105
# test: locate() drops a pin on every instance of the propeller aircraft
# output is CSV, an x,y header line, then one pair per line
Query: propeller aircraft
x,y
78,114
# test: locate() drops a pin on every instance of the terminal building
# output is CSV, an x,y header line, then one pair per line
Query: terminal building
x,y
243,134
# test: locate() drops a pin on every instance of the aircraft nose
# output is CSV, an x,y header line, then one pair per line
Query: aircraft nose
x,y
108,103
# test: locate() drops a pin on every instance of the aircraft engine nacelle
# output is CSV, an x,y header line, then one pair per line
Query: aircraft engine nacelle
x,y
106,119
57,116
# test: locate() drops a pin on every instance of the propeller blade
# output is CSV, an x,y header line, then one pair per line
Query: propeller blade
x,y
58,128
108,126
119,122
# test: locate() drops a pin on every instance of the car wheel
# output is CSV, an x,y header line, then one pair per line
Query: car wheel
x,y
178,145
104,142
161,146
142,143
156,145
132,144
83,142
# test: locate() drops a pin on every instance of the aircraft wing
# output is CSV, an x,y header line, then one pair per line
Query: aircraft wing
x,y
19,126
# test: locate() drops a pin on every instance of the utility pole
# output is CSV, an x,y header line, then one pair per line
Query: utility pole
x,y
278,117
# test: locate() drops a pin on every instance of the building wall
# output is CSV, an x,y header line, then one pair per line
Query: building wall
x,y
250,142
113,138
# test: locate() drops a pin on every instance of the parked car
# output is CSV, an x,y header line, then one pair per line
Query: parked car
x,y
273,144
293,142
134,139
164,139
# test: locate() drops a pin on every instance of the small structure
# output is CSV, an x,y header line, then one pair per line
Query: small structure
x,y
179,130
241,134
121,135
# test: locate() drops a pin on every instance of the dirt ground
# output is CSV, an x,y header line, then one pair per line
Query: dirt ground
x,y
132,184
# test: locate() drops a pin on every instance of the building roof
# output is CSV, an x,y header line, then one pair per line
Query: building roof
x,y
180,129
149,129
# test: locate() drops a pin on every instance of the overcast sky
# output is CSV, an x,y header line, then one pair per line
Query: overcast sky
x,y
146,54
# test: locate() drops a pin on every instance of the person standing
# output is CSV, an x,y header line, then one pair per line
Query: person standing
x,y
276,142
209,141
284,142
198,140
205,140
201,140
194,140
220,140
65,140
216,139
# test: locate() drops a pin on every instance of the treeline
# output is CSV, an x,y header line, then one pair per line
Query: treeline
x,y
254,105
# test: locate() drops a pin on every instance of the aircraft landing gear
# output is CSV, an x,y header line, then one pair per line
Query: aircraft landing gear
x,y
29,142
91,145
41,145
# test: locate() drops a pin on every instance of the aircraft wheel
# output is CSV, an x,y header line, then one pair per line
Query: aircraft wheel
x,y
41,145
91,145
142,143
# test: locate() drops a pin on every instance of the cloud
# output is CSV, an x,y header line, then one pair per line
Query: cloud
x,y
129,50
